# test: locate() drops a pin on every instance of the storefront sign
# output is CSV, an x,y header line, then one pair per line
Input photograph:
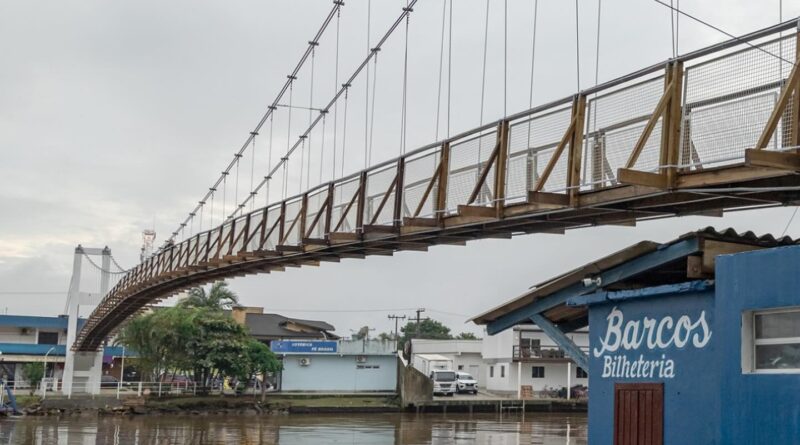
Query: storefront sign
x,y
624,338
304,346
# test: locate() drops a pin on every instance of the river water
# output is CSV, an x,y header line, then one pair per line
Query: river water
x,y
302,429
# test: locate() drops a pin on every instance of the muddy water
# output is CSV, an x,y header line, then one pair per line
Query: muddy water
x,y
378,429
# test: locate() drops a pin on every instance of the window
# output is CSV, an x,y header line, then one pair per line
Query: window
x,y
580,373
502,371
460,367
537,372
491,371
48,338
774,341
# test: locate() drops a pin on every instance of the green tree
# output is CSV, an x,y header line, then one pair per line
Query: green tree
x,y
258,359
362,333
467,336
33,373
218,297
217,346
428,329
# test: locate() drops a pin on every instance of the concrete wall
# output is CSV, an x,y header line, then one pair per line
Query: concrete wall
x,y
413,386
339,373
758,408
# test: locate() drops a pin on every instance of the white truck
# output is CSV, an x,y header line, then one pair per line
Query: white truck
x,y
427,363
444,382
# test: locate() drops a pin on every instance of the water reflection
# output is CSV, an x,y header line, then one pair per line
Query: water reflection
x,y
378,429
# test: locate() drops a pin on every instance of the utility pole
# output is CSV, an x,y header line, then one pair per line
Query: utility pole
x,y
396,319
419,311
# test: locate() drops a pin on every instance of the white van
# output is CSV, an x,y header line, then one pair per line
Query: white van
x,y
444,382
466,383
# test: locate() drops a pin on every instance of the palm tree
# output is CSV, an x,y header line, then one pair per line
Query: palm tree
x,y
219,297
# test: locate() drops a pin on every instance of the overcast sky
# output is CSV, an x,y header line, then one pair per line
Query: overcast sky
x,y
118,116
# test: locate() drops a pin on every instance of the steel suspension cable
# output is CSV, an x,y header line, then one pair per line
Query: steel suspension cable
x,y
337,4
405,91
505,59
253,170
268,177
322,149
366,104
344,127
285,159
372,113
441,63
483,82
449,64
224,196
398,21
335,104
310,112
577,48
533,65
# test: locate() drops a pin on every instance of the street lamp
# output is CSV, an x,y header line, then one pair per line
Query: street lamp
x,y
44,387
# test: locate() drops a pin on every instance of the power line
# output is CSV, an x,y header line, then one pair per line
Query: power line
x,y
718,29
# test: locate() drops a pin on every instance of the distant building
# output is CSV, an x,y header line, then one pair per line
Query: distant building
x,y
269,327
337,366
462,355
26,339
526,356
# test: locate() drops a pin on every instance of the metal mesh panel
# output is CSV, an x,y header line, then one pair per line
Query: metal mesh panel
x,y
202,249
314,206
615,122
342,195
418,172
531,145
239,228
272,234
728,100
467,160
226,238
254,235
292,236
377,185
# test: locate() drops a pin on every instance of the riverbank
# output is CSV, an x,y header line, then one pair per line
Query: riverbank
x,y
276,404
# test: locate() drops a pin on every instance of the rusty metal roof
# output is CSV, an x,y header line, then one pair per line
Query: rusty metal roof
x,y
630,253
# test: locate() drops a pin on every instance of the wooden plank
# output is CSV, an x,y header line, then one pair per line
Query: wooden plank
x,y
378,228
636,177
576,149
441,190
554,200
477,211
289,248
782,160
342,237
727,175
500,171
420,222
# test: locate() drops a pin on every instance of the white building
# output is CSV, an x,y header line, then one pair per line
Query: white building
x,y
525,355
465,355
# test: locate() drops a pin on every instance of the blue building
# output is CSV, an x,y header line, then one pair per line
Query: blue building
x,y
694,341
26,339
337,366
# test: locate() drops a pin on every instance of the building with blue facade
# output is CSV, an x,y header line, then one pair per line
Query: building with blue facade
x,y
26,339
337,366
694,341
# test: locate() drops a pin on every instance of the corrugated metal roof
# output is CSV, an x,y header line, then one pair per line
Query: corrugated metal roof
x,y
555,284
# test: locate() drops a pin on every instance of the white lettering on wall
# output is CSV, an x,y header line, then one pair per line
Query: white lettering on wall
x,y
651,334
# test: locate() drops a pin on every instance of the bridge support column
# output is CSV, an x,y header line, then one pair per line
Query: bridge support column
x,y
83,370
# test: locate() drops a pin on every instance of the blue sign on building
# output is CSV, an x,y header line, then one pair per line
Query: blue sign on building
x,y
305,346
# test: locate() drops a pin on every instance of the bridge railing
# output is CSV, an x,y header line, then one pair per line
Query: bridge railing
x,y
698,112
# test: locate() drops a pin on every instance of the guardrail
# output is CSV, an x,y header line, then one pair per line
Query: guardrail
x,y
524,353
700,111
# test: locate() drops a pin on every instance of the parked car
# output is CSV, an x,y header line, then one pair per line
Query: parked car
x,y
466,383
444,382
108,381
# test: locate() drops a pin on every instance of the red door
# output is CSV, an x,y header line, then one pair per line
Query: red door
x,y
638,414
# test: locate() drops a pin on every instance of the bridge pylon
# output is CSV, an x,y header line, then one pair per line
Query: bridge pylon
x,y
83,370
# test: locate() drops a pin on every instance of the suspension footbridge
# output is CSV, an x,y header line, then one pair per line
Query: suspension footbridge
x,y
703,133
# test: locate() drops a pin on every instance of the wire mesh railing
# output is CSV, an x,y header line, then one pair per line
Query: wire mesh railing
x,y
698,112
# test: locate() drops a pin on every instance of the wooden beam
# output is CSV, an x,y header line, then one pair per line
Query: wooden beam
x,y
780,107
500,170
556,155
420,222
636,177
576,149
648,128
556,200
477,211
342,237
440,206
485,172
782,160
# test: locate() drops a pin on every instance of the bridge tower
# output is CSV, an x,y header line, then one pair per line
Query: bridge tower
x,y
83,370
